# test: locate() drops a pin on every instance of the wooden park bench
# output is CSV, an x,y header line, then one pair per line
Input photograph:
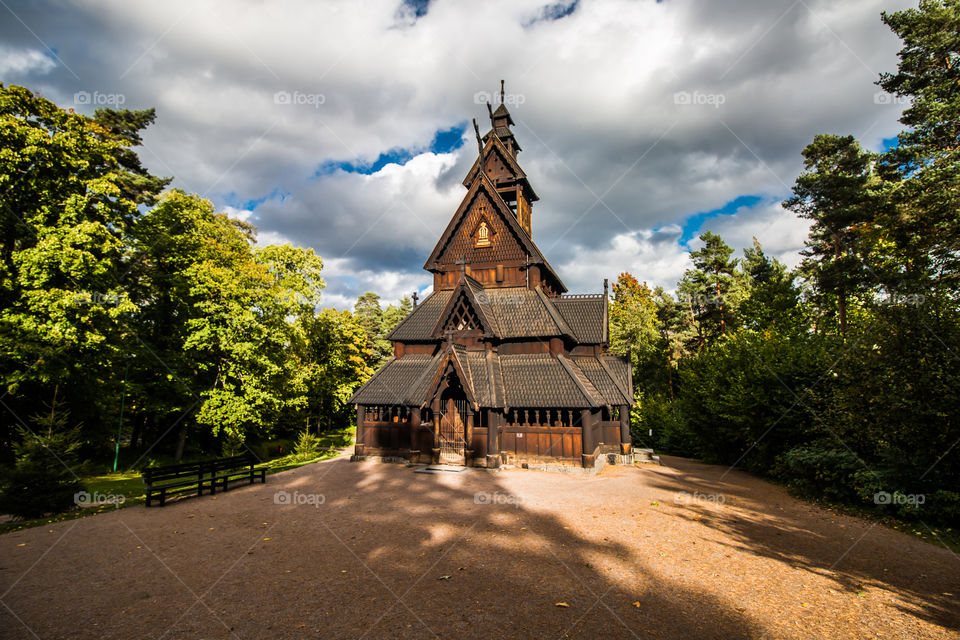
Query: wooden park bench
x,y
173,479
236,468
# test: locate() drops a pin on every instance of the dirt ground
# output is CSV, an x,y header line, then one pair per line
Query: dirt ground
x,y
367,550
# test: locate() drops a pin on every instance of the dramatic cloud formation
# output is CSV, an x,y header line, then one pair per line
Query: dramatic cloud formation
x,y
345,126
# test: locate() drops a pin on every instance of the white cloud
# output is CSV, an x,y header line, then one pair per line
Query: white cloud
x,y
607,148
23,61
238,214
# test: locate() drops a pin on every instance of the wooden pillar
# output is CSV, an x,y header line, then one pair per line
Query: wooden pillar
x,y
468,438
493,439
414,434
586,427
625,440
435,451
361,417
556,346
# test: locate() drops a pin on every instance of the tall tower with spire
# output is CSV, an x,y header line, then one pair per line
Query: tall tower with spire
x,y
491,232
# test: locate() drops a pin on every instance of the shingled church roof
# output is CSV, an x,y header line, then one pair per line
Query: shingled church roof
x,y
513,312
534,380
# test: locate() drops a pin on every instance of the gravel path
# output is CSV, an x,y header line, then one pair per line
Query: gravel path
x,y
648,552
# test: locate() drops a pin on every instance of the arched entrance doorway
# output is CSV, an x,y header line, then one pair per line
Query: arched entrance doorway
x,y
453,420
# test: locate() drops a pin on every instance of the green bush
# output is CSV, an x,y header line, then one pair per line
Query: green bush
x,y
744,397
942,506
43,478
820,470
655,412
307,445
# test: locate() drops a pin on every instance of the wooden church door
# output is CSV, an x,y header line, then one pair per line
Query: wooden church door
x,y
452,427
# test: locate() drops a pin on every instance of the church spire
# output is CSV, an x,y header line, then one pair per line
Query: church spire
x,y
500,121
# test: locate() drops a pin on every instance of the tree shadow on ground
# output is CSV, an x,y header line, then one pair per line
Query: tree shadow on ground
x,y
855,553
361,551
470,556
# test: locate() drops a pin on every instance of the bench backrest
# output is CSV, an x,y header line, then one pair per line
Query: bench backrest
x,y
172,472
152,475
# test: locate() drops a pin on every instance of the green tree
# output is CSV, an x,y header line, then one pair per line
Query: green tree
x,y
395,314
334,364
633,317
923,170
710,290
378,323
219,316
837,192
772,300
745,397
241,333
70,188
370,316
43,479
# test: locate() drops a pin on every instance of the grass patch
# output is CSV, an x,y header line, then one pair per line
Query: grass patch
x,y
129,484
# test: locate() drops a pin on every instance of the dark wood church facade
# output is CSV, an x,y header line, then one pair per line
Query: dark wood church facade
x,y
498,365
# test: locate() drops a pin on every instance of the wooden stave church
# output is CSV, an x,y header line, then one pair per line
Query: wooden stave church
x,y
497,365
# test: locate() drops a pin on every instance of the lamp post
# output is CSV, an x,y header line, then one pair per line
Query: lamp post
x,y
123,398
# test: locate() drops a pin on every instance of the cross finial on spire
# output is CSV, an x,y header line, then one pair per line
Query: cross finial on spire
x,y
463,264
502,93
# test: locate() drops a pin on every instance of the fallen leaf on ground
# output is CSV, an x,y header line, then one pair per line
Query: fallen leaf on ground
x,y
443,578
563,604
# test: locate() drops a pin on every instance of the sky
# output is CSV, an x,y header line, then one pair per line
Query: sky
x,y
346,126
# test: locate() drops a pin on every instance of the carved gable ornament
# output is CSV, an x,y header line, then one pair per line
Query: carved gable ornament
x,y
484,232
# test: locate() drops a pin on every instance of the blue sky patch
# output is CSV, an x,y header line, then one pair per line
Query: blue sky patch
x,y
444,141
559,10
553,12
694,223
419,7
232,200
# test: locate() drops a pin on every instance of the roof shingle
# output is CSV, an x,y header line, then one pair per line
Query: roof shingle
x,y
584,315
420,322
